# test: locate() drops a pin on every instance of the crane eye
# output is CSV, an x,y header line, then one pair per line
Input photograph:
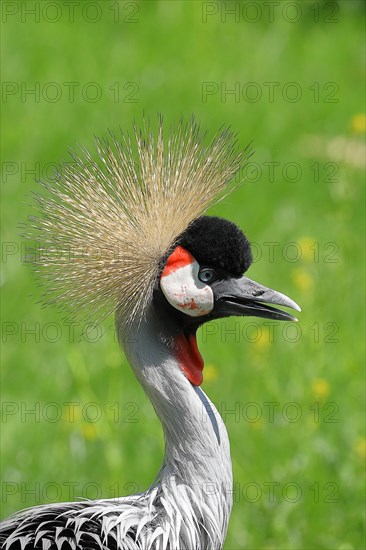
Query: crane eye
x,y
207,275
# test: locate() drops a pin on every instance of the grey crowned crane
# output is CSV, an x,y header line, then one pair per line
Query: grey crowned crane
x,y
124,232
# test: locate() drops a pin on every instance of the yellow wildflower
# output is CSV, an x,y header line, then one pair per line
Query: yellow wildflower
x,y
358,123
258,426
210,373
266,338
303,279
360,448
308,249
89,431
320,388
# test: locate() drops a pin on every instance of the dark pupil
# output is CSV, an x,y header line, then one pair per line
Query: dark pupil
x,y
206,275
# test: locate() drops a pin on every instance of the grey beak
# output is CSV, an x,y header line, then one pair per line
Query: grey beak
x,y
246,297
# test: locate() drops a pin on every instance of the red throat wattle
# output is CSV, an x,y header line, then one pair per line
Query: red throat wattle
x,y
190,359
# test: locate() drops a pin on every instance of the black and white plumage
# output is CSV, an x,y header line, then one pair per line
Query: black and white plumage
x,y
133,239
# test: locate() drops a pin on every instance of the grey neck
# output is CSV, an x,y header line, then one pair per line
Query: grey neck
x,y
196,441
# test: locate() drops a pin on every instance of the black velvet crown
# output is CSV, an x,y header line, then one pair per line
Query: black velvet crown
x,y
219,243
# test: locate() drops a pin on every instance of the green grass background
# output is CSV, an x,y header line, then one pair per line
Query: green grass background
x,y
314,465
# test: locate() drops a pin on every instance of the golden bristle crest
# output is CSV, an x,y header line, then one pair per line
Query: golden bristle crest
x,y
105,220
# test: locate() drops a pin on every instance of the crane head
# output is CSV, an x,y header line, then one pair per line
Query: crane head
x,y
203,279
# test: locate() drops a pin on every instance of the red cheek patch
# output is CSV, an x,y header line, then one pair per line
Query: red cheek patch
x,y
180,257
181,285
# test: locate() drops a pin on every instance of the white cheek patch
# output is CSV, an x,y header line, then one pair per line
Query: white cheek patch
x,y
182,287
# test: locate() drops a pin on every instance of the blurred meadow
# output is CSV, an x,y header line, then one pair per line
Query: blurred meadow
x,y
289,77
